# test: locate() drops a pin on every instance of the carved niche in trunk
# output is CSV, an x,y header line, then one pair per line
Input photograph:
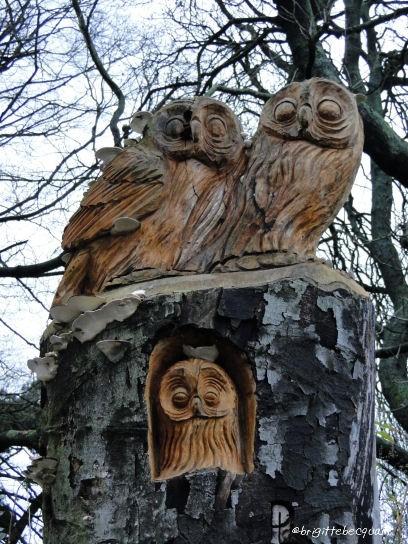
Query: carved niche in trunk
x,y
201,409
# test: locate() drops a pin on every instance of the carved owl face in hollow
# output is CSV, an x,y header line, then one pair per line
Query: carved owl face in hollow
x,y
196,388
203,128
317,110
197,409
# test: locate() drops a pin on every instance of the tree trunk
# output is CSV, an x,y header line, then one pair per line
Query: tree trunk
x,y
306,332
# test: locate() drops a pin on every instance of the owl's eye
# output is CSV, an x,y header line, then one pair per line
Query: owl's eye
x,y
211,398
216,127
329,110
285,111
174,128
180,399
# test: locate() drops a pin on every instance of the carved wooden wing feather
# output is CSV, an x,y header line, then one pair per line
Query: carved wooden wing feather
x,y
130,186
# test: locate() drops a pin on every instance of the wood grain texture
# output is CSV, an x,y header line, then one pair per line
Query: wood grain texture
x,y
305,156
197,411
207,203
201,413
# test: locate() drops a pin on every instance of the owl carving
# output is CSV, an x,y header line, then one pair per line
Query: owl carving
x,y
197,418
305,156
160,206
204,157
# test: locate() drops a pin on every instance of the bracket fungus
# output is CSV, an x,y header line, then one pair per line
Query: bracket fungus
x,y
107,154
44,367
208,353
66,257
76,305
113,350
89,324
140,120
61,341
123,225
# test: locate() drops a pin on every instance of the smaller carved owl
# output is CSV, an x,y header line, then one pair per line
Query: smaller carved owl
x,y
203,157
196,388
198,419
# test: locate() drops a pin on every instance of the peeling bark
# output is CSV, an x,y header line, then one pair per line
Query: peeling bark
x,y
311,354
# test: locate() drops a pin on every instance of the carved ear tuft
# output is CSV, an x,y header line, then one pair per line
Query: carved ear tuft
x,y
208,353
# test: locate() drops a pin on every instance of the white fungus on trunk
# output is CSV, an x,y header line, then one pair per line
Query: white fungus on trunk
x,y
42,470
113,350
61,341
44,367
65,313
107,154
89,324
123,225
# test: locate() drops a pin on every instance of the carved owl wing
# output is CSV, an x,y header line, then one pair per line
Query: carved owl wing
x,y
130,186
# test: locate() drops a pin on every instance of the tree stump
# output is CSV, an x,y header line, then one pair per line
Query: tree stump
x,y
305,332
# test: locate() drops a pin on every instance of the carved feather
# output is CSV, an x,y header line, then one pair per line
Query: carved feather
x,y
130,186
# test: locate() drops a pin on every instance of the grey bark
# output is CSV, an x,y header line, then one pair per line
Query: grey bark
x,y
311,352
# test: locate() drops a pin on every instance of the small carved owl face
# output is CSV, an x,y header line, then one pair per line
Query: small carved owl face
x,y
196,388
317,110
202,128
216,132
172,130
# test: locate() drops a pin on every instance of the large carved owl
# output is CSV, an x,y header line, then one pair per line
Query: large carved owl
x,y
305,156
197,410
178,184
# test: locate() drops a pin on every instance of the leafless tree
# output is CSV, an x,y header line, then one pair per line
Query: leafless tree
x,y
74,71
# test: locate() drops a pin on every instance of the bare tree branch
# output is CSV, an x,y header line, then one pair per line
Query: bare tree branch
x,y
384,353
84,28
31,270
17,438
19,527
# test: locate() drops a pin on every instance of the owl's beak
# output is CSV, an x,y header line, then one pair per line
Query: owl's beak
x,y
195,130
304,115
196,405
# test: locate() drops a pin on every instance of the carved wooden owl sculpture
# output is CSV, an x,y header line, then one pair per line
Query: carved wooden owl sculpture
x,y
177,185
204,157
305,156
198,423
